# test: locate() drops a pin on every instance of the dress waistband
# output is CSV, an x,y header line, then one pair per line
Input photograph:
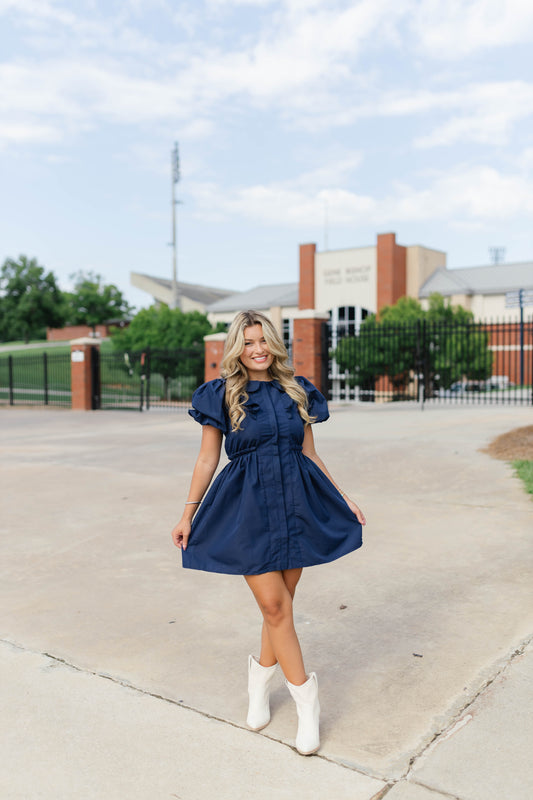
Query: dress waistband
x,y
263,449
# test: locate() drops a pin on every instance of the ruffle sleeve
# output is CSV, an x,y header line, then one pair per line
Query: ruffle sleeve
x,y
318,405
208,404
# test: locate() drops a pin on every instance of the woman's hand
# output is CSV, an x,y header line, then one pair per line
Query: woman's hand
x,y
181,533
355,510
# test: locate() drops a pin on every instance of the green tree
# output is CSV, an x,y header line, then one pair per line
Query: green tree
x,y
458,346
443,343
163,328
93,302
30,300
180,334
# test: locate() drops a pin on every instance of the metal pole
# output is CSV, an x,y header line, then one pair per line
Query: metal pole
x,y
421,361
174,301
10,373
148,366
45,378
142,379
175,180
521,299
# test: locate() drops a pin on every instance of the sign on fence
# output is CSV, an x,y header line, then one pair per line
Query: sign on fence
x,y
519,298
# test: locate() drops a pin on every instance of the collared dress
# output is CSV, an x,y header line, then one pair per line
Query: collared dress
x,y
271,508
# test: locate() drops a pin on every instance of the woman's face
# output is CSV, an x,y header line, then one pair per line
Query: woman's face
x,y
256,356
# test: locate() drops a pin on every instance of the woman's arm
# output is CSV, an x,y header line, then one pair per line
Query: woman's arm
x,y
308,449
202,475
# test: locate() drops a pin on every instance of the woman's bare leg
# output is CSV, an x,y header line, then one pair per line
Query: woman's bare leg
x,y
267,657
273,592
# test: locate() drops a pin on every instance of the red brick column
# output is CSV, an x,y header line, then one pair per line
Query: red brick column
x,y
392,270
306,292
308,357
80,372
214,351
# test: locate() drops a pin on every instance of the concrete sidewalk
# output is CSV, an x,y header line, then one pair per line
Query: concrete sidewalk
x,y
124,676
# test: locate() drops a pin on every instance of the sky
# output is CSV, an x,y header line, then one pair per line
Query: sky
x,y
298,121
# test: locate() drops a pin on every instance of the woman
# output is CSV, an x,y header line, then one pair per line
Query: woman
x,y
273,509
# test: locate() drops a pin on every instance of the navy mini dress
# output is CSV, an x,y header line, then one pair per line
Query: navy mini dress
x,y
271,508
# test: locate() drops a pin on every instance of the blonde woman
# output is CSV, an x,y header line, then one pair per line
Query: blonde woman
x,y
273,509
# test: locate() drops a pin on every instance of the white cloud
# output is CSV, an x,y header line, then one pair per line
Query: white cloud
x,y
469,195
524,160
489,112
298,65
303,64
464,194
330,173
479,112
281,204
292,64
456,29
20,133
65,99
238,3
483,192
34,10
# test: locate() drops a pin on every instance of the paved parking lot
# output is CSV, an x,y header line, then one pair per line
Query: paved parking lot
x,y
124,676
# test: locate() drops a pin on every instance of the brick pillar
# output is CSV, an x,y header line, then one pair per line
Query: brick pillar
x,y
80,372
392,270
309,348
214,351
306,293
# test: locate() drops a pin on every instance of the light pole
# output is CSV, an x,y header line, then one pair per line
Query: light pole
x,y
175,168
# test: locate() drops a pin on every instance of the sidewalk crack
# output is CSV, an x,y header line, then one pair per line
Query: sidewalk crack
x,y
128,685
457,718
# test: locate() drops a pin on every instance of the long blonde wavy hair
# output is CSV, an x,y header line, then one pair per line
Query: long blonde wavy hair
x,y
236,374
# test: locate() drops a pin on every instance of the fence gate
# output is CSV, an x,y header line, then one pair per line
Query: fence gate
x,y
95,378
150,379
432,362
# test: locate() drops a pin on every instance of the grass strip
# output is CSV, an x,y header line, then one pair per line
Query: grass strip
x,y
524,470
45,347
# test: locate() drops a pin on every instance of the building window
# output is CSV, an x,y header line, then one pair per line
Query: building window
x,y
344,321
288,333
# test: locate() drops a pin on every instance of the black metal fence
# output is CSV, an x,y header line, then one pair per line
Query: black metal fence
x,y
150,379
42,379
433,362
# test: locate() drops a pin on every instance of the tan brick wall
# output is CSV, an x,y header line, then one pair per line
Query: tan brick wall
x,y
392,273
214,352
307,350
80,376
306,296
74,332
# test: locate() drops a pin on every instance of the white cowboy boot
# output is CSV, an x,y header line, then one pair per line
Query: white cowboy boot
x,y
308,708
259,680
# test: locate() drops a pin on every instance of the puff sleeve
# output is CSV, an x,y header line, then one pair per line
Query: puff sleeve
x,y
208,404
318,405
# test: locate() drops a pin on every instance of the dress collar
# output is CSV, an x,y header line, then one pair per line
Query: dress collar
x,y
254,386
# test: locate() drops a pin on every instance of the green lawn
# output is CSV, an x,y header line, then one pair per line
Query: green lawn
x,y
524,470
22,350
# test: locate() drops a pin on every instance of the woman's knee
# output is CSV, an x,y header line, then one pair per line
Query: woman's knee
x,y
276,610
